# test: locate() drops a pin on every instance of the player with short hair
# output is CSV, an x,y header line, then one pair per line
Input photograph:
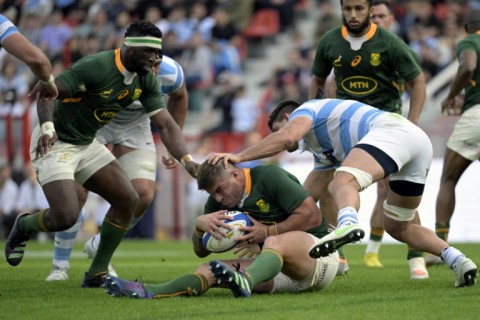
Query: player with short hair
x,y
64,150
365,145
133,145
286,223
371,65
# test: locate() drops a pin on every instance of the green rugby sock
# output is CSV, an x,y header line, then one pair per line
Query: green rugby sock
x,y
414,254
34,222
266,266
376,234
111,234
442,229
188,285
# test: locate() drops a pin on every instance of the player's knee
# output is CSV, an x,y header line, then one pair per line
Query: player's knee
x,y
363,179
399,213
63,220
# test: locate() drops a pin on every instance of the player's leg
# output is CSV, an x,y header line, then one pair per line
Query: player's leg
x,y
57,180
285,253
140,167
112,184
193,284
453,167
377,230
399,213
64,241
316,184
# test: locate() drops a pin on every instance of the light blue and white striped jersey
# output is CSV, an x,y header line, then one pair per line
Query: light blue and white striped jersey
x,y
337,126
170,77
6,28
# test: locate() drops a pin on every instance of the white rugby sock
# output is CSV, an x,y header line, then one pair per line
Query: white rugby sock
x,y
347,216
64,241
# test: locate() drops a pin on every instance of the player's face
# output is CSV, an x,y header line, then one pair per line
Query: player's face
x,y
144,59
227,189
381,16
356,16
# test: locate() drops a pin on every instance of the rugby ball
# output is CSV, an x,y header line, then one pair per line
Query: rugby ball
x,y
224,244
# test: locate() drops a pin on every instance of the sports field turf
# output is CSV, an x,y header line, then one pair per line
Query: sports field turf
x,y
385,293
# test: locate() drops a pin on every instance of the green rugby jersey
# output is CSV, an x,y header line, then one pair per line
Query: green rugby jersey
x,y
98,87
270,195
369,72
472,91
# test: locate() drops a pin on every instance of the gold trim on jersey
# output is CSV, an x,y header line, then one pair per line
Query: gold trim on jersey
x,y
67,100
369,35
118,61
248,181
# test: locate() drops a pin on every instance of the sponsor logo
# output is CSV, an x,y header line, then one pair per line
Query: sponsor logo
x,y
356,61
375,59
359,85
122,95
105,115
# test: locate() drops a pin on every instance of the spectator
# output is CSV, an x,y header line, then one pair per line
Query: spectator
x,y
13,84
244,111
54,35
8,194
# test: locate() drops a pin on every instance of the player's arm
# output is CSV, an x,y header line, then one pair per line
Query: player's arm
x,y
174,141
304,217
177,104
317,87
18,45
418,91
467,60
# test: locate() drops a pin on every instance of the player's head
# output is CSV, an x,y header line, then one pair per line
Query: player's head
x,y
279,116
356,15
382,14
473,21
225,185
142,47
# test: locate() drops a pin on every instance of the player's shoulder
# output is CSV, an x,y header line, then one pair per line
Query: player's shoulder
x,y
169,67
170,75
334,33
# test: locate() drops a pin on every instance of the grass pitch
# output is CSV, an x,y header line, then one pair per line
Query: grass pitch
x,y
381,293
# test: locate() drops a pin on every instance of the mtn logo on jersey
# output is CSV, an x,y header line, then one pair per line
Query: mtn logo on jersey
x,y
104,115
359,85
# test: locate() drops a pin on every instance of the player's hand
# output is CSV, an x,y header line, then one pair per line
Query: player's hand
x,y
225,157
213,222
45,92
169,162
192,168
44,143
247,250
452,107
256,233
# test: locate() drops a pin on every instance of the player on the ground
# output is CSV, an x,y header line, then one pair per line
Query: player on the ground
x,y
365,145
370,65
64,150
286,222
133,146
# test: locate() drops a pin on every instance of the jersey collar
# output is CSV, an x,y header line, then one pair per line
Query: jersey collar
x,y
367,36
128,76
248,186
